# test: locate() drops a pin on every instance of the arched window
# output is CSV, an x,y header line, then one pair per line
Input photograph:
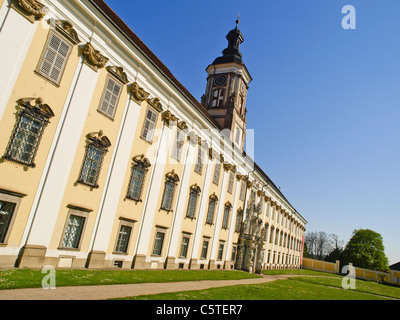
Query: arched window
x,y
193,199
171,183
212,205
28,131
139,170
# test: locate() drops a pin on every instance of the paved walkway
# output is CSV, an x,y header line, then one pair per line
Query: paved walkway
x,y
126,290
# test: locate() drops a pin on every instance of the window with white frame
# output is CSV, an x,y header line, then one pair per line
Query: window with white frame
x,y
217,172
221,250
178,145
54,58
109,101
199,161
159,241
231,181
184,245
149,125
242,190
73,231
9,205
124,235
204,248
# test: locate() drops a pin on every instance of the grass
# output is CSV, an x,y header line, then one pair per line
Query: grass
x,y
24,278
300,272
293,289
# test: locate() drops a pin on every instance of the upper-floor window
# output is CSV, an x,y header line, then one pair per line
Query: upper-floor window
x,y
96,149
178,145
54,58
199,160
149,125
231,181
217,172
28,131
109,101
242,190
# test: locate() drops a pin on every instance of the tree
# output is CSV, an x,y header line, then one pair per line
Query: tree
x,y
337,252
365,250
318,244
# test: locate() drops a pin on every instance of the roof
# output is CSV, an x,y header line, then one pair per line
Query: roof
x,y
120,25
395,266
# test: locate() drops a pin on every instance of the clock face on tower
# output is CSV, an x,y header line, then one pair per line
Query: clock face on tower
x,y
220,80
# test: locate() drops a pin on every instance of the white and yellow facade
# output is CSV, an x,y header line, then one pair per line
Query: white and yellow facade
x,y
83,181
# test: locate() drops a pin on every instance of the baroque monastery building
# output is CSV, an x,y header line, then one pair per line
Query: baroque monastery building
x,y
109,162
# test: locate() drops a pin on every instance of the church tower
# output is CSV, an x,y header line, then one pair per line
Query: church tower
x,y
227,85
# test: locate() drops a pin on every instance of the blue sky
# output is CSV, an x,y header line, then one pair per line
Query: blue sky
x,y
324,101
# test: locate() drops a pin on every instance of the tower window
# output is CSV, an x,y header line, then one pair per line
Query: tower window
x,y
218,98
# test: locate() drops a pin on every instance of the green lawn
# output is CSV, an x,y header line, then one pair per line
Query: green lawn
x,y
300,272
23,278
292,289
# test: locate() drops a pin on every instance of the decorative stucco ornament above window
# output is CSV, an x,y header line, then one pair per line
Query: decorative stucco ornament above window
x,y
32,10
93,57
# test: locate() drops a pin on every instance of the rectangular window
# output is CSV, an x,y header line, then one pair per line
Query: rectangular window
x,y
234,250
242,190
136,183
225,220
217,173
231,181
221,251
199,162
191,210
211,211
178,146
168,196
110,98
124,236
6,214
149,125
204,249
91,166
158,243
238,221
54,58
184,246
73,232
